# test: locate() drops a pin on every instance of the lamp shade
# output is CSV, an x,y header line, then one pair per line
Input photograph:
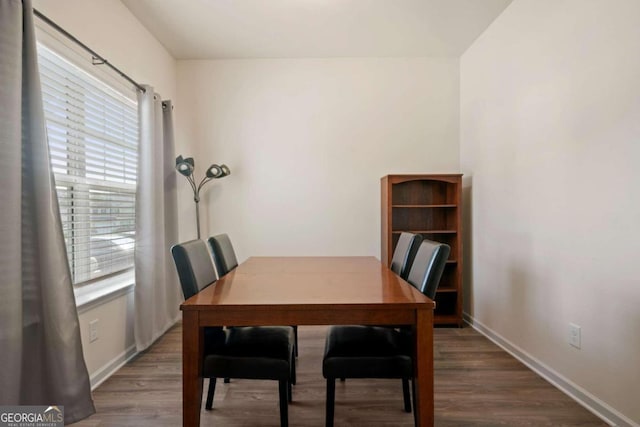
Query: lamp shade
x,y
185,166
214,171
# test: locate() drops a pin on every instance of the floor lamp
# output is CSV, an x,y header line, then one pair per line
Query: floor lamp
x,y
186,167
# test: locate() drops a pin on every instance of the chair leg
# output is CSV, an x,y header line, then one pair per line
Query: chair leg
x,y
212,389
227,380
331,400
295,335
343,379
406,395
293,371
284,407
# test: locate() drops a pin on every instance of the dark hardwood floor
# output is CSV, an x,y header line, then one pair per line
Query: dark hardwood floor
x,y
476,384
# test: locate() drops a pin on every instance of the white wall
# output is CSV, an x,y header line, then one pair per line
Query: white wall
x,y
111,30
308,140
550,119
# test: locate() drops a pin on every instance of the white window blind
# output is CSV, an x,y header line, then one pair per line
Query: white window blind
x,y
93,141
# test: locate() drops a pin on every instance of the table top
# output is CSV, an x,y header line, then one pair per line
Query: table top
x,y
310,282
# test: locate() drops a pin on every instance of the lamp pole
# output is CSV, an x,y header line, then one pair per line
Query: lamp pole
x,y
197,200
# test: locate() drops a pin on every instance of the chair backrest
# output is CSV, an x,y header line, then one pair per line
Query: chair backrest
x,y
404,253
194,266
428,266
223,254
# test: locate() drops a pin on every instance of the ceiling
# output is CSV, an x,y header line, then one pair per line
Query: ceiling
x,y
213,29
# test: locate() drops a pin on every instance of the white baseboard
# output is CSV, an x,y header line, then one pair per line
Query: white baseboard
x,y
110,368
574,391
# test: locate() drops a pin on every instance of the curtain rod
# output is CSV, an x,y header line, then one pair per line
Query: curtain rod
x,y
96,59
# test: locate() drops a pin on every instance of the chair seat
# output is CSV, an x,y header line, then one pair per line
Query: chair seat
x,y
366,352
214,339
263,352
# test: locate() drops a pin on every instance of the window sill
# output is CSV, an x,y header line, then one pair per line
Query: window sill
x,y
90,296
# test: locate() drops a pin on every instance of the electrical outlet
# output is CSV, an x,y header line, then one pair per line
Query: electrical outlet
x,y
93,330
574,335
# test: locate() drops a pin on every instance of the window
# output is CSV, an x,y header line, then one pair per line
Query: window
x,y
93,141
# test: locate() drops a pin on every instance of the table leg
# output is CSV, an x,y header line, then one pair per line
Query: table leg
x,y
192,348
423,368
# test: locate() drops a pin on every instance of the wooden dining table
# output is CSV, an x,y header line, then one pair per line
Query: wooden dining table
x,y
307,291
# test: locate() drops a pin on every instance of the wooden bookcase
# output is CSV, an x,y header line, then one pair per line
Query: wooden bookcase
x,y
430,205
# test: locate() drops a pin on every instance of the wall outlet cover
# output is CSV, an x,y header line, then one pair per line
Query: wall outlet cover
x,y
574,335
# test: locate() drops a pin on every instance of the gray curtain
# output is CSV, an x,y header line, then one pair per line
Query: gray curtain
x,y
41,361
157,291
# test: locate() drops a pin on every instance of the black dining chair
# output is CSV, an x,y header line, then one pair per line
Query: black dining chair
x,y
259,353
403,256
225,260
404,253
377,351
223,254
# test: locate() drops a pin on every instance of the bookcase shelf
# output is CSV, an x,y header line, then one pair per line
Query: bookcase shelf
x,y
424,206
430,205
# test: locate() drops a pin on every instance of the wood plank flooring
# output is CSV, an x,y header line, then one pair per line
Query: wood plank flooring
x,y
476,384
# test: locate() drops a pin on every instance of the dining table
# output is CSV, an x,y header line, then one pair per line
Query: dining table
x,y
317,290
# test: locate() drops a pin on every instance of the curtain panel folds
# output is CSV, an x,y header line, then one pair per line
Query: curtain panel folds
x,y
157,292
41,356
